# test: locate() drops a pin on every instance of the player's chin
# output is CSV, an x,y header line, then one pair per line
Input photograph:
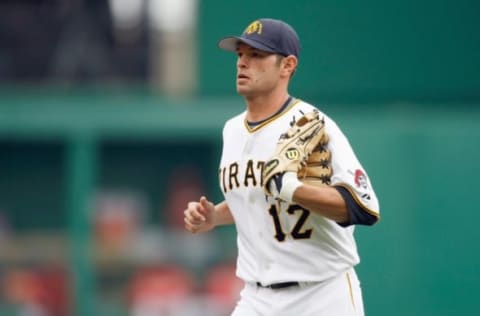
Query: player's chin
x,y
243,90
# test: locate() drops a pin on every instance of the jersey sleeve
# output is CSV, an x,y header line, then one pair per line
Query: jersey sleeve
x,y
348,174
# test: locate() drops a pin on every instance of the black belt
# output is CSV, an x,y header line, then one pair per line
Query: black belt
x,y
276,286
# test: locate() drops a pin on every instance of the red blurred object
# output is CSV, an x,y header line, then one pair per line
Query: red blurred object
x,y
164,283
45,288
223,286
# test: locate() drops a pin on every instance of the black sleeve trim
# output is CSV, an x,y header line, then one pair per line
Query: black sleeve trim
x,y
357,215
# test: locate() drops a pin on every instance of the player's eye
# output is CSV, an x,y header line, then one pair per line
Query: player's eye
x,y
259,54
256,54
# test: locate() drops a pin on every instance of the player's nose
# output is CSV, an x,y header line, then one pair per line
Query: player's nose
x,y
242,61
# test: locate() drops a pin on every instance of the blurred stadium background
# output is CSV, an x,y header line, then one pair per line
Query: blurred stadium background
x,y
110,121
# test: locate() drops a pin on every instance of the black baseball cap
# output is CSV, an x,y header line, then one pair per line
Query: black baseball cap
x,y
269,35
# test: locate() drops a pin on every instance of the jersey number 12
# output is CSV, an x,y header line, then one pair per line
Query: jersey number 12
x,y
297,231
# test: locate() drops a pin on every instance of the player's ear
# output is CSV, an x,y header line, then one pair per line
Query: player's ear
x,y
289,65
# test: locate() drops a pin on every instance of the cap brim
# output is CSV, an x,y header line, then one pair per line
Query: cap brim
x,y
230,43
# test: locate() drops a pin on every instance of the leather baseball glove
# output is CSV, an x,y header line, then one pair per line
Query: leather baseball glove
x,y
318,169
280,173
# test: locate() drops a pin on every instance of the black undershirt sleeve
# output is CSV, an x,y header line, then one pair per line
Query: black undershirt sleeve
x,y
357,214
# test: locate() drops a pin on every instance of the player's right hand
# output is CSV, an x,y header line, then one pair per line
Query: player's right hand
x,y
199,216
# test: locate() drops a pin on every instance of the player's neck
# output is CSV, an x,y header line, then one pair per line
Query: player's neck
x,y
264,106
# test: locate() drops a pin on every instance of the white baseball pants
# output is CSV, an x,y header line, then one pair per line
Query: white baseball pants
x,y
339,296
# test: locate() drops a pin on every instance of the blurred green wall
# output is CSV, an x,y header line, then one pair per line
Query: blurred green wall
x,y
421,258
357,51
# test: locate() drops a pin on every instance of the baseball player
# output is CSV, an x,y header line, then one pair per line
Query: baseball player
x,y
293,187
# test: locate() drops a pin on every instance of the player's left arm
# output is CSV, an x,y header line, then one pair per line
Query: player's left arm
x,y
334,202
322,200
351,181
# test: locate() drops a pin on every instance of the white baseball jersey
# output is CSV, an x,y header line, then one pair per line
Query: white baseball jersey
x,y
278,242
